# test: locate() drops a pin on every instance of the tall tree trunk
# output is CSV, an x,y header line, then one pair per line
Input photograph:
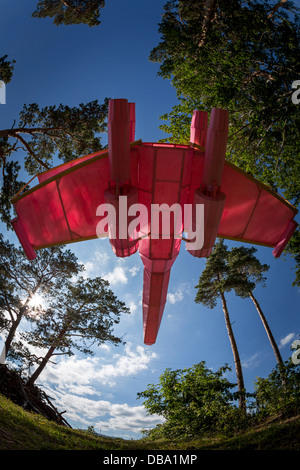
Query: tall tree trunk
x,y
12,331
268,330
271,338
42,365
49,354
209,10
15,324
237,362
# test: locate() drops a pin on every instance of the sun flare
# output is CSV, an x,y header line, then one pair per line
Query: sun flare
x,y
37,300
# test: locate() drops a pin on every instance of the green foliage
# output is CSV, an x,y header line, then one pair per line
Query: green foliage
x,y
20,279
248,268
51,267
273,397
246,63
192,401
237,269
6,69
293,249
179,121
53,131
70,11
11,183
62,130
44,134
219,277
244,58
213,279
79,314
198,402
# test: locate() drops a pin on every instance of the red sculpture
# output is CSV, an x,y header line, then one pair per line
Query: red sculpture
x,y
73,201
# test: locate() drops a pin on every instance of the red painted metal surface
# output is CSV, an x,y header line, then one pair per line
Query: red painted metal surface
x,y
64,206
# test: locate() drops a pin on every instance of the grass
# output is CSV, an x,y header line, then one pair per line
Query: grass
x,y
21,430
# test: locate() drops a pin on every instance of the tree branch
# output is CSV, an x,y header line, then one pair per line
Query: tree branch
x,y
70,6
275,8
9,308
31,152
60,354
25,130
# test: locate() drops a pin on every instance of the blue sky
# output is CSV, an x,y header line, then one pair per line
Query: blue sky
x,y
76,64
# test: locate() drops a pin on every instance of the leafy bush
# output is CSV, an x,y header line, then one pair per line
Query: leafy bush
x,y
197,401
193,401
279,392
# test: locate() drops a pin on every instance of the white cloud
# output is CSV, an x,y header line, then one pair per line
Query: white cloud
x,y
89,269
107,418
126,365
83,371
94,267
132,306
176,297
117,276
84,411
71,372
128,418
286,340
84,390
121,273
134,270
72,382
101,257
182,289
98,266
252,361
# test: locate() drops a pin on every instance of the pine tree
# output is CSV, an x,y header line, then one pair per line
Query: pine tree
x,y
243,261
45,134
80,314
214,281
70,11
6,69
241,55
21,280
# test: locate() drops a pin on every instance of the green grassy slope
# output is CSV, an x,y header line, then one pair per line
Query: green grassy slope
x,y
21,430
